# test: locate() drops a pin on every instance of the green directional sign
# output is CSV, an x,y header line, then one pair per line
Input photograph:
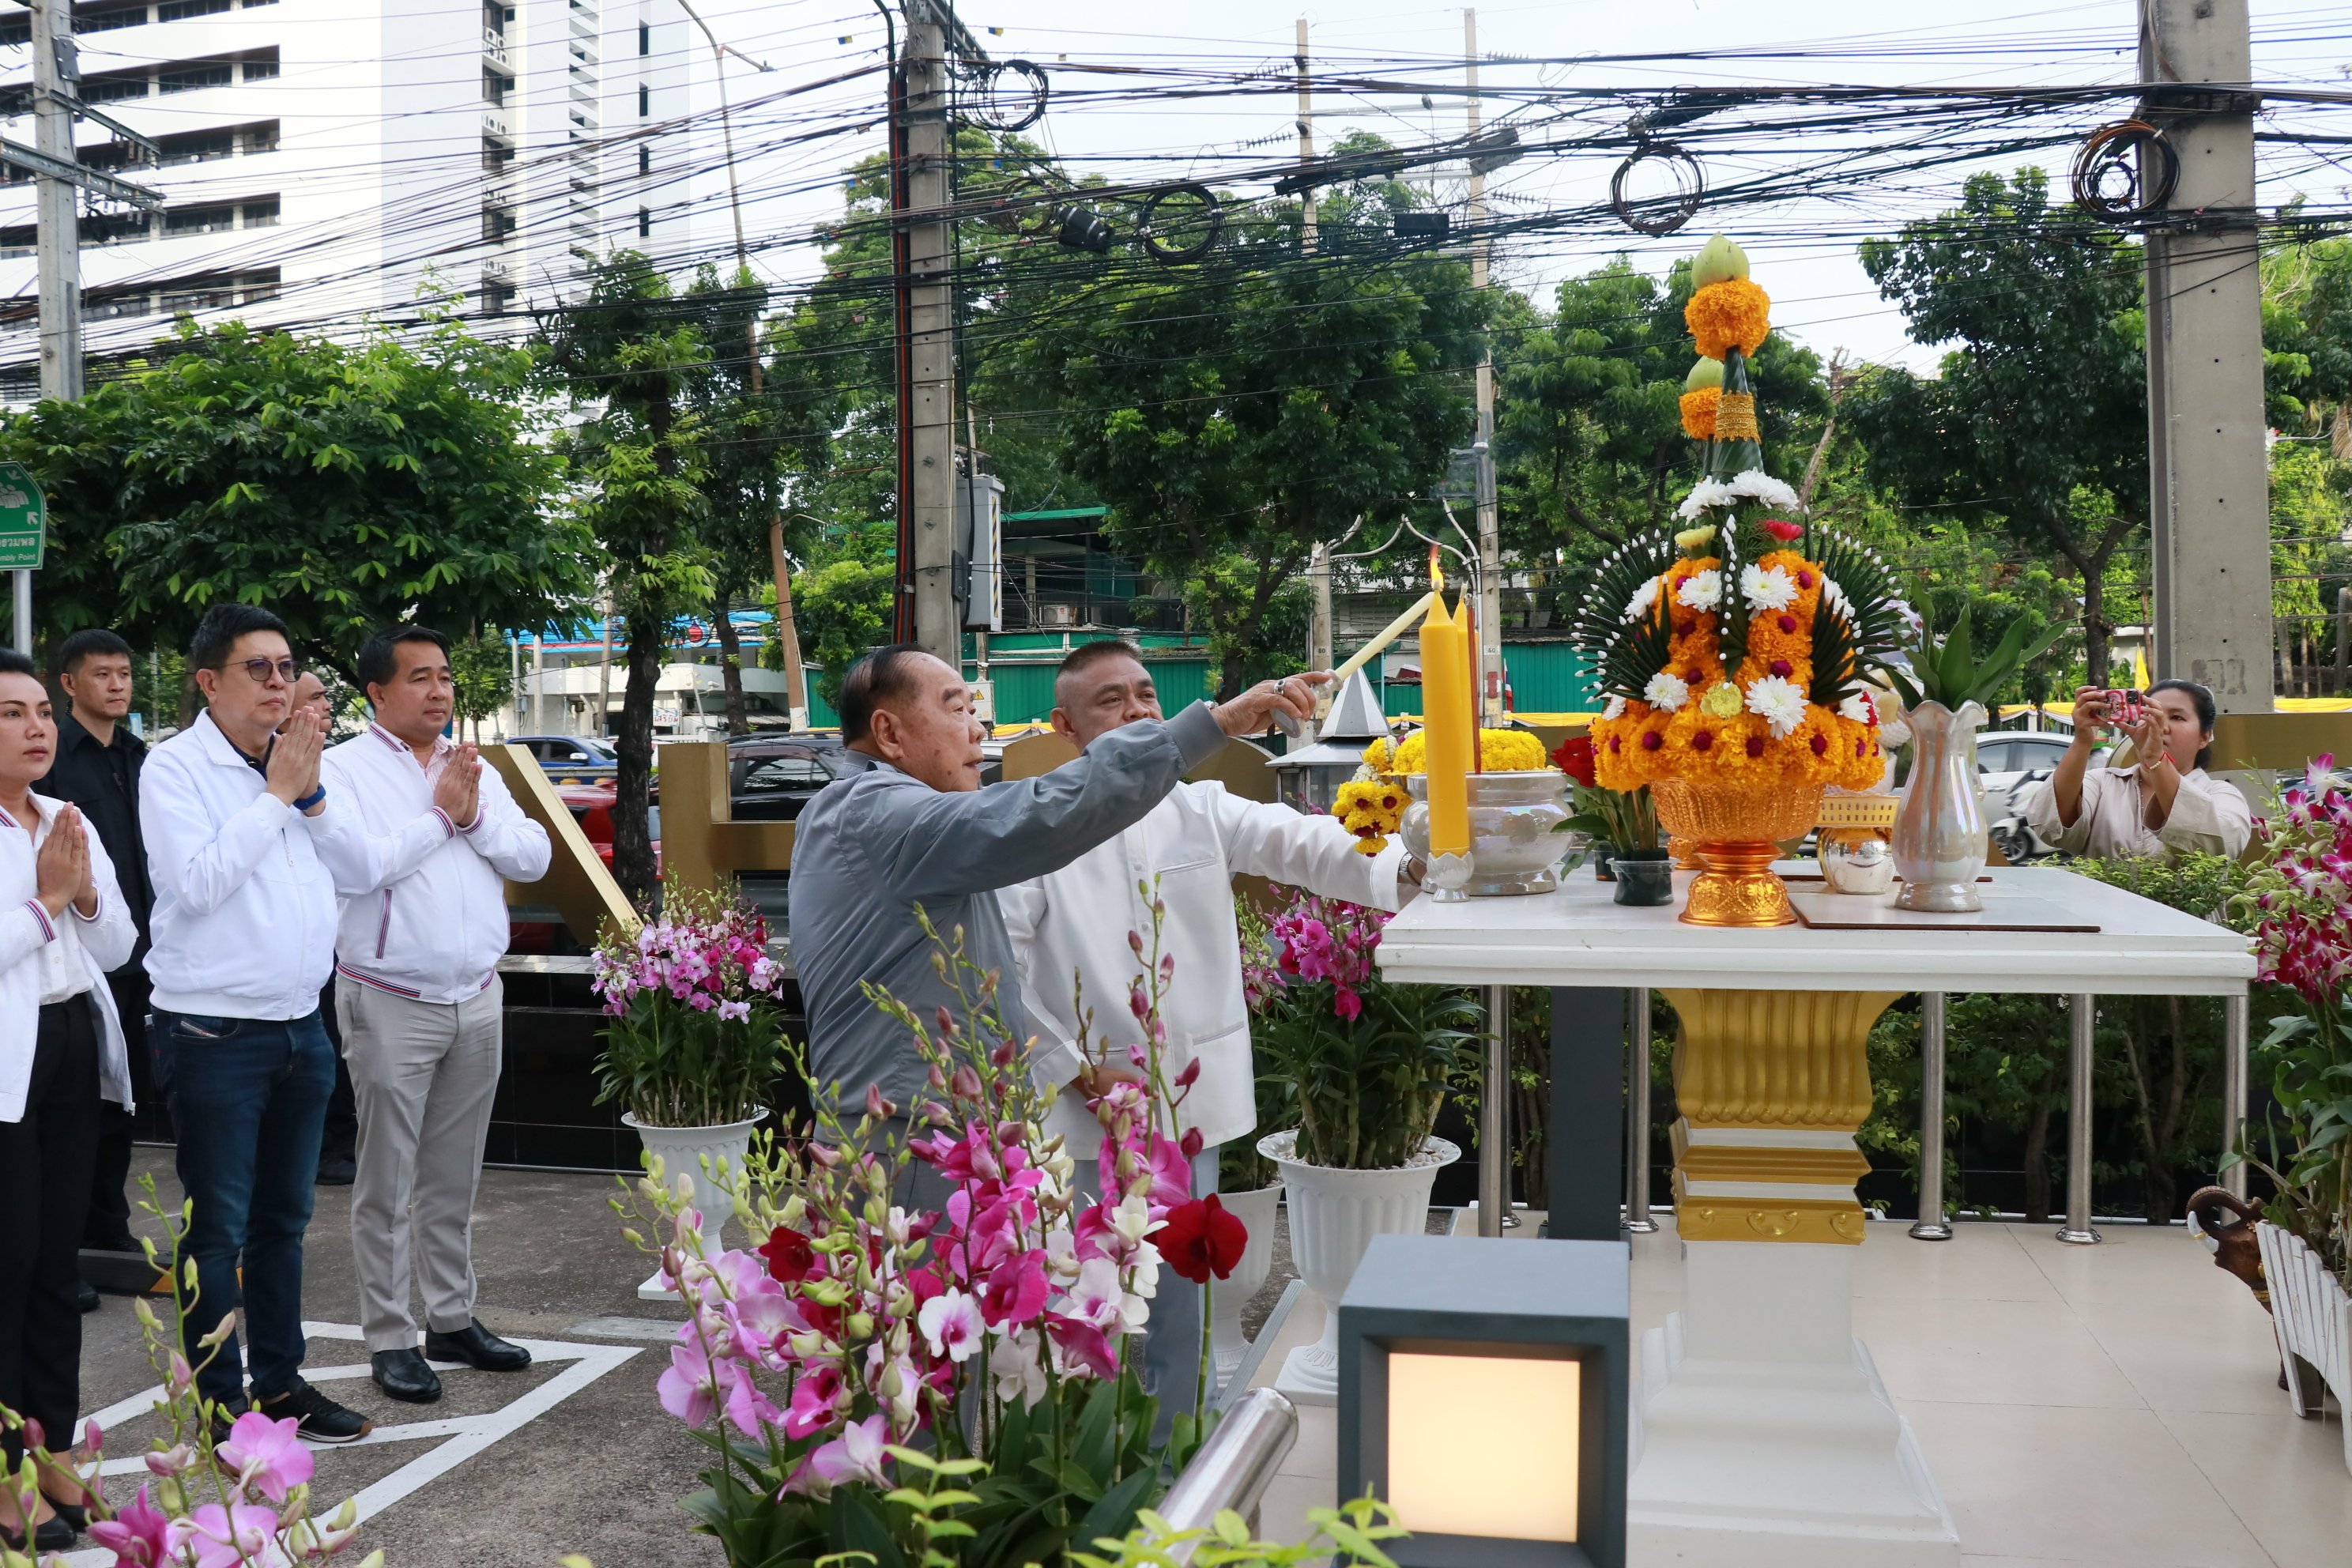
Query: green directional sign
x,y
24,520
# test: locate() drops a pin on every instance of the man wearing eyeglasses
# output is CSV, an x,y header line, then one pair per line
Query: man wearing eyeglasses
x,y
243,843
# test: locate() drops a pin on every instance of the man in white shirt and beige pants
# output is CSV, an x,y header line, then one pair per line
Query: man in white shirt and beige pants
x,y
417,993
1072,924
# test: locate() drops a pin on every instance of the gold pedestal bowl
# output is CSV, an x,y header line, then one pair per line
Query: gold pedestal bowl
x,y
1738,832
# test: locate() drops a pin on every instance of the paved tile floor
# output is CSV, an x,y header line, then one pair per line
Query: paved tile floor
x,y
2112,1404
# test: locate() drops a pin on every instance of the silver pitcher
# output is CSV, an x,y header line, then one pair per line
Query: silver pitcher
x,y
1939,833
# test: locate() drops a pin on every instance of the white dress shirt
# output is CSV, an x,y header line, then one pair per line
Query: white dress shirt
x,y
44,959
424,916
2208,815
244,922
1073,924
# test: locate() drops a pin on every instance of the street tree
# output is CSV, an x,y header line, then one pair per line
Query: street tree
x,y
2038,417
343,485
626,354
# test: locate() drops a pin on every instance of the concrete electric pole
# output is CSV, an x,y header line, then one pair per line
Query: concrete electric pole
x,y
1306,144
1490,521
927,421
2208,467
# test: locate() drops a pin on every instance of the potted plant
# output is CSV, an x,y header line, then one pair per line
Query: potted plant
x,y
1622,825
887,1382
693,1047
1365,1065
1939,830
2300,887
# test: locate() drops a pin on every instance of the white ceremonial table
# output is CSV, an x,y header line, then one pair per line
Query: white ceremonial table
x,y
1762,1435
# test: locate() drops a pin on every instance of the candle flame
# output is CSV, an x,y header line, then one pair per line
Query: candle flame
x,y
1436,576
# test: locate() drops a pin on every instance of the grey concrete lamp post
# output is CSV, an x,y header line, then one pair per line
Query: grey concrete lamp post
x,y
1483,1394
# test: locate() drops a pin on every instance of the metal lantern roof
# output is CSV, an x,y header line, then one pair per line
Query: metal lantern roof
x,y
1354,722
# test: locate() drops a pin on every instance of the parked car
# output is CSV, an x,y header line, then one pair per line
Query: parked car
x,y
591,806
585,758
2004,757
770,777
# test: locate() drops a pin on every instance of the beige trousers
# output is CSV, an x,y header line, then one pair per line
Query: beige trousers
x,y
423,1074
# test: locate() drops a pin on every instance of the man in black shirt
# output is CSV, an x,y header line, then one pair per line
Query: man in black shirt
x,y
97,769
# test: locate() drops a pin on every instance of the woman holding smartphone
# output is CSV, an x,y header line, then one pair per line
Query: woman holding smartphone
x,y
2165,804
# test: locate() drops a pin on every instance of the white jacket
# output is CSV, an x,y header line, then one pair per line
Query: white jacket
x,y
25,928
1073,923
427,916
244,922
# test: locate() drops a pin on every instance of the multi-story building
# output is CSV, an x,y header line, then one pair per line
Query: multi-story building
x,y
326,162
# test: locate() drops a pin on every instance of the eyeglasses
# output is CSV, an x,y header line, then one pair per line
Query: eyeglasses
x,y
286,669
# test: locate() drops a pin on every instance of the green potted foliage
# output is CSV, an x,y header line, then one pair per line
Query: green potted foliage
x,y
1364,1064
1622,825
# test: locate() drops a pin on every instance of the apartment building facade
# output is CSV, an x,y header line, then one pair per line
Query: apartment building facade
x,y
324,162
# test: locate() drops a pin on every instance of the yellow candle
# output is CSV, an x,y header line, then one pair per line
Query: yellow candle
x,y
1445,721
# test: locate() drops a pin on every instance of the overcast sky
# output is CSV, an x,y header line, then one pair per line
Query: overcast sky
x,y
1803,250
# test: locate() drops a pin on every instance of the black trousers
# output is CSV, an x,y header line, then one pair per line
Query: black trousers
x,y
108,1229
45,1165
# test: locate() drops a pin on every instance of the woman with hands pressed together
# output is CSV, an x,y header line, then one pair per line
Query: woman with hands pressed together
x,y
63,925
2165,804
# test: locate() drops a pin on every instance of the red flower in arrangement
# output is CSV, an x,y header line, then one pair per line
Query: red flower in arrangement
x,y
1755,746
1574,758
1202,1239
1703,740
1783,668
790,1257
1788,623
1651,740
1820,745
1783,532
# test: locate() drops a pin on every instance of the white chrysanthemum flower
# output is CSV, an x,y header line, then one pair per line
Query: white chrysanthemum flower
x,y
1645,599
1705,494
1364,773
1758,485
1666,691
1767,590
1613,709
1858,706
1779,703
1701,590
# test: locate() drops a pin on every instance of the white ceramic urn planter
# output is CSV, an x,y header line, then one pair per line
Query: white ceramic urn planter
x,y
1256,1211
2313,1314
685,1149
1334,1215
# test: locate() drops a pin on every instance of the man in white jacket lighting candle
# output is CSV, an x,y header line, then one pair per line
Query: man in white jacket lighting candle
x,y
1073,924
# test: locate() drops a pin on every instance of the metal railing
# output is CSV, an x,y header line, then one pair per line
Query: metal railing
x,y
1233,1466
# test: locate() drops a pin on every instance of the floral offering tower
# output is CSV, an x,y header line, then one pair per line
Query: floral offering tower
x,y
1733,652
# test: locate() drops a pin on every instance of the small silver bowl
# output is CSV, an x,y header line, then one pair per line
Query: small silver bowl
x,y
1513,847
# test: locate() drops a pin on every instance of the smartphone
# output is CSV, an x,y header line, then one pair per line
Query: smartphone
x,y
2126,706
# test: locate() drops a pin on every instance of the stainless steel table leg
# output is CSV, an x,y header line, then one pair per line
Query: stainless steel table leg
x,y
2234,1050
2078,1229
1495,1120
1932,1225
1637,1114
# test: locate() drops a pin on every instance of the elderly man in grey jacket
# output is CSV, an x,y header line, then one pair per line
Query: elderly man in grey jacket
x,y
912,826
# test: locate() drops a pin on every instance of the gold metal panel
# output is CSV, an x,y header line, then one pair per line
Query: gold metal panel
x,y
577,883
1746,1163
1775,1058
2244,742
1838,1222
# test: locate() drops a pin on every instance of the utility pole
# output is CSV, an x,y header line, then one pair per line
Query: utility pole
x,y
58,220
1490,538
2209,472
1305,145
927,317
1319,616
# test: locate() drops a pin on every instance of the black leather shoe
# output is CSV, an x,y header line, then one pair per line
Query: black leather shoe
x,y
53,1534
337,1171
87,1296
404,1375
476,1347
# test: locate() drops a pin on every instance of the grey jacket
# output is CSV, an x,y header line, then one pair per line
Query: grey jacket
x,y
874,845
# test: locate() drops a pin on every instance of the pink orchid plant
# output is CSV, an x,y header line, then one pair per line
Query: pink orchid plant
x,y
242,1502
693,998
997,1327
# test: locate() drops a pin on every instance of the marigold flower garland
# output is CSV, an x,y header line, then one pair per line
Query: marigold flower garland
x,y
1371,805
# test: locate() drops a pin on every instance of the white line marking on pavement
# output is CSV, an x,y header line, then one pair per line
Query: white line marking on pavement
x,y
627,1328
463,1436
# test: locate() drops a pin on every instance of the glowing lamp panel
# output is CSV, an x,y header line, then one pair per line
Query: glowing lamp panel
x,y
1484,1445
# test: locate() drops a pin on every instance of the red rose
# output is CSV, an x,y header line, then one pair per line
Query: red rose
x,y
1651,740
1783,668
1703,740
790,1257
1755,746
1202,1239
1783,532
1788,623
1574,758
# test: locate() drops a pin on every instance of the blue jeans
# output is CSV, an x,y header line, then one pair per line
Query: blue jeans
x,y
248,1099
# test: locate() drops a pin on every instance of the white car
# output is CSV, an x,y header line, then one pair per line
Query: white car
x,y
2006,756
